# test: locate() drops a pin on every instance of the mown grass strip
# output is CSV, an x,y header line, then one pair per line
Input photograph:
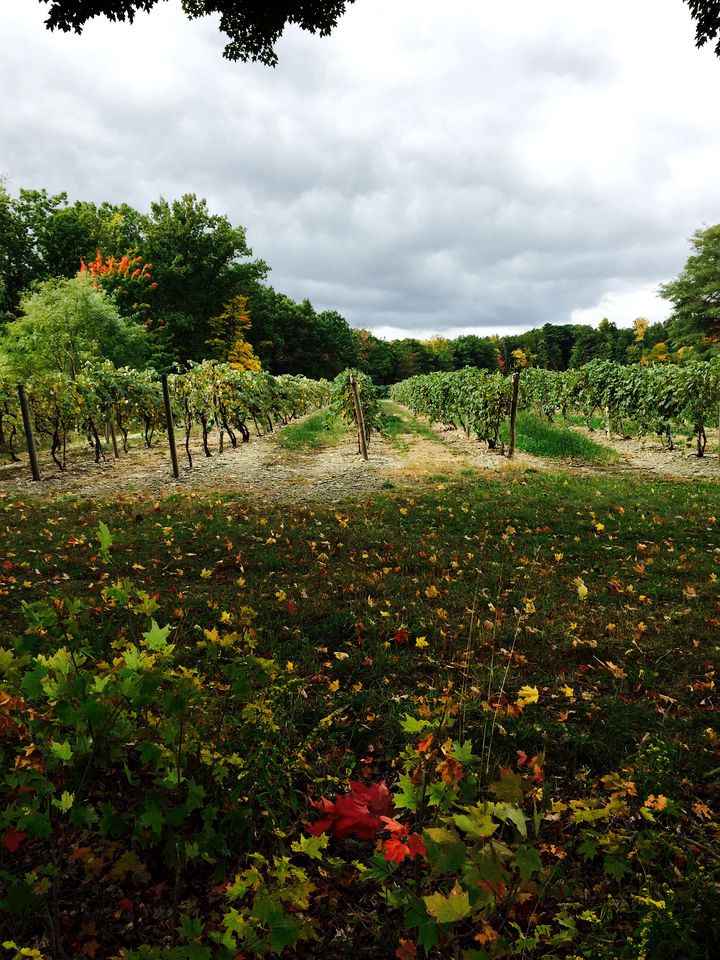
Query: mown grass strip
x,y
315,433
399,429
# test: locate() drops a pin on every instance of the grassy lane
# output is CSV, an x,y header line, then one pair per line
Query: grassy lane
x,y
315,432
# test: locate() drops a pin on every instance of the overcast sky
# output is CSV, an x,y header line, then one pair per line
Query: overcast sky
x,y
429,168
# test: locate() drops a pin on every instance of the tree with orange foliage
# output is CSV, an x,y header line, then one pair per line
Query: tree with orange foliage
x,y
127,280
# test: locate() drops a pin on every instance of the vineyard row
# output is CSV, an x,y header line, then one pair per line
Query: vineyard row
x,y
104,401
659,399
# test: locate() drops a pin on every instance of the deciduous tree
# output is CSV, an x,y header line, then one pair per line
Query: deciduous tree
x,y
695,294
253,27
65,323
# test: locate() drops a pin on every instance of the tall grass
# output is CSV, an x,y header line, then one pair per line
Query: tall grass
x,y
536,435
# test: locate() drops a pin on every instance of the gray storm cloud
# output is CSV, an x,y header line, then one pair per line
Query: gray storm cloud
x,y
420,171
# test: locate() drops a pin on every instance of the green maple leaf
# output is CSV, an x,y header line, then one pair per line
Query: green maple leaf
x,y
152,818
413,725
284,930
63,751
508,811
311,846
451,908
616,867
426,927
462,752
65,802
156,637
105,538
476,823
528,861
588,848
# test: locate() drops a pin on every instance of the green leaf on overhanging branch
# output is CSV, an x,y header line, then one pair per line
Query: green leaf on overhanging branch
x,y
440,795
32,683
588,848
36,824
446,852
408,797
82,815
451,908
284,930
462,752
191,927
6,659
132,658
380,869
152,817
416,918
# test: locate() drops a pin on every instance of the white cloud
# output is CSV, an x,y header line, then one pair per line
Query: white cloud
x,y
623,308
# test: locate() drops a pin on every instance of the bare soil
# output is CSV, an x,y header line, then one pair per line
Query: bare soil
x,y
649,456
266,471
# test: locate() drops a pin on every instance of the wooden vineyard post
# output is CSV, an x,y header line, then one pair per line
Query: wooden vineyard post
x,y
170,427
359,419
513,412
607,422
718,449
114,440
27,426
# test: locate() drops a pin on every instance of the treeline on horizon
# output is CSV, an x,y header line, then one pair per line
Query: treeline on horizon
x,y
185,281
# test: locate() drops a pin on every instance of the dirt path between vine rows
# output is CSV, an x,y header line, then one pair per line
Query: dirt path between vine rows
x,y
261,468
266,471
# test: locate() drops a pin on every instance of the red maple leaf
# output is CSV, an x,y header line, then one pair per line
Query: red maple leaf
x,y
396,849
13,839
392,826
356,814
416,846
406,950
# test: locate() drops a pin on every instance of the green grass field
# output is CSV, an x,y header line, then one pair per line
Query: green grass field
x,y
434,638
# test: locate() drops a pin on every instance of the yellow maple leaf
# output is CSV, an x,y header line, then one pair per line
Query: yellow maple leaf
x,y
528,694
581,588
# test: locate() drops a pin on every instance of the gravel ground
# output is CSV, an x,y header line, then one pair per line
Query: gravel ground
x,y
264,470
